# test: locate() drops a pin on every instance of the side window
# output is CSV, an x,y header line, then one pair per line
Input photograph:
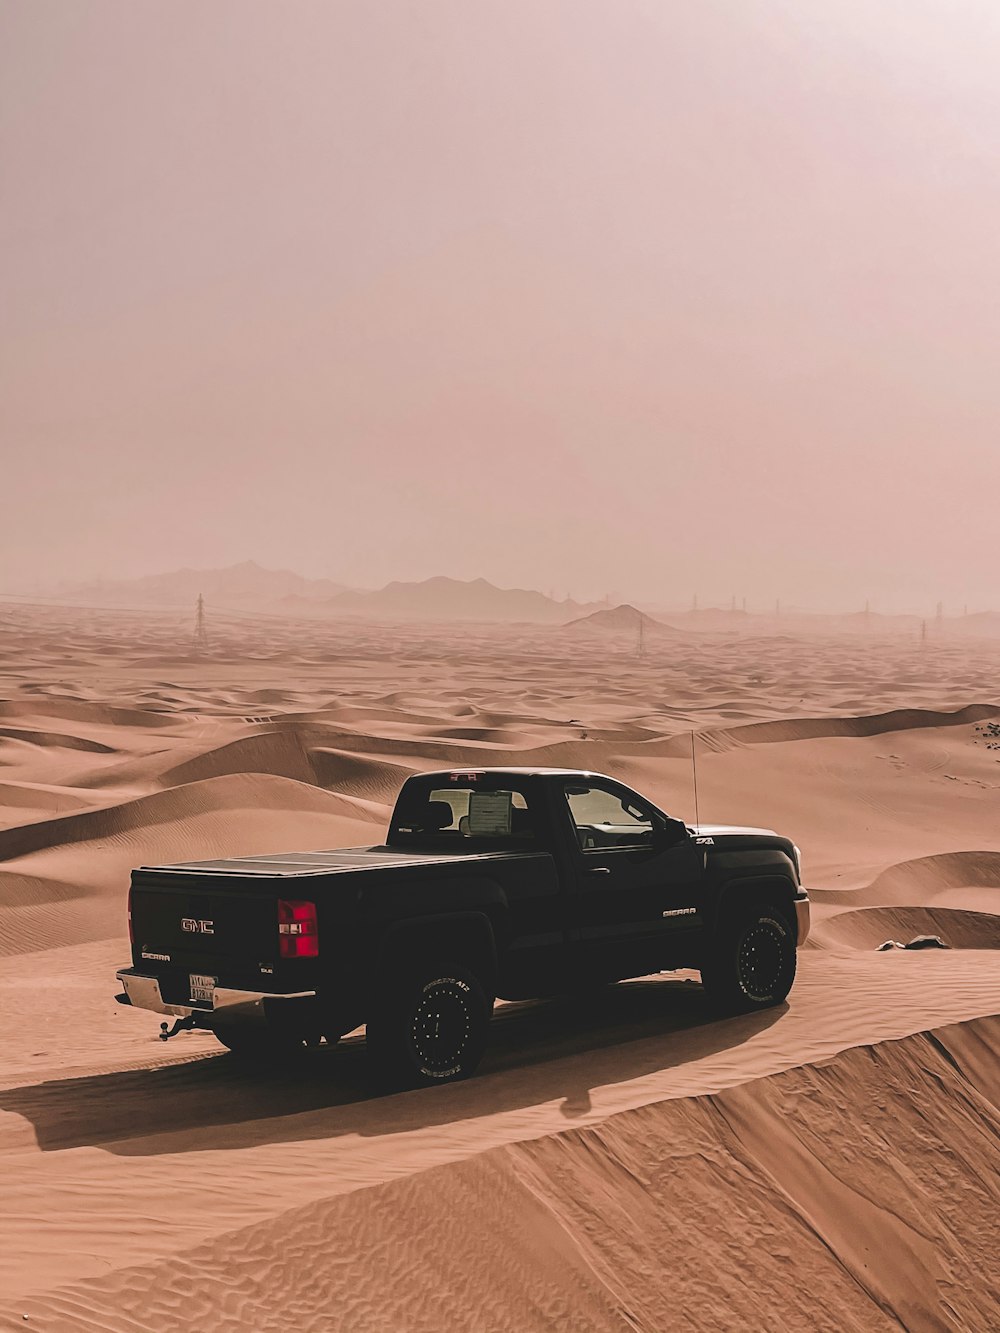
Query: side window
x,y
604,818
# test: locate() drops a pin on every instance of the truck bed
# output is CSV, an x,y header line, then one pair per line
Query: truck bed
x,y
219,919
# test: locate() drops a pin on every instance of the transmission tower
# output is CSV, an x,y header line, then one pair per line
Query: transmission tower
x,y
200,632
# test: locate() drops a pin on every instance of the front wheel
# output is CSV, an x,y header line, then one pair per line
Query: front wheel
x,y
430,1026
750,964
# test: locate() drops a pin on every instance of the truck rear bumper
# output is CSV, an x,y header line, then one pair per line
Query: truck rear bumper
x,y
802,916
230,1005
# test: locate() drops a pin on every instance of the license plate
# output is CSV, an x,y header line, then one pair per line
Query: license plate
x,y
202,988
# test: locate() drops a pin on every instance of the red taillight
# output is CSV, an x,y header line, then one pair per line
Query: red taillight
x,y
298,936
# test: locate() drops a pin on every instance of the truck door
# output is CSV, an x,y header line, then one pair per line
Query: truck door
x,y
633,893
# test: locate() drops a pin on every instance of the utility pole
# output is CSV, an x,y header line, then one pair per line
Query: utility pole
x,y
642,640
200,632
923,633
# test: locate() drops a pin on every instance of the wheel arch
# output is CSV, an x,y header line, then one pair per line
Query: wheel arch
x,y
467,937
775,889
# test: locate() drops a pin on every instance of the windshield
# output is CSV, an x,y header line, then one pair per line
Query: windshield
x,y
462,812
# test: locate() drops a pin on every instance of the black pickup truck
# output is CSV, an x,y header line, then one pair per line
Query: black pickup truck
x,y
509,882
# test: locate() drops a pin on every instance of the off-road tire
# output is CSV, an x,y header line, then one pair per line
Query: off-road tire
x,y
750,964
429,1026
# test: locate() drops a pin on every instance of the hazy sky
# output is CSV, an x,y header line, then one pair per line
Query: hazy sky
x,y
651,296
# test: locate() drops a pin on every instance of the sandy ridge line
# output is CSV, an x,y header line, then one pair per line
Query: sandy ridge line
x,y
651,1043
161,808
903,882
99,1069
842,1211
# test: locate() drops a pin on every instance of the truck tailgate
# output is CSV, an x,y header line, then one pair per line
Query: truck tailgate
x,y
189,926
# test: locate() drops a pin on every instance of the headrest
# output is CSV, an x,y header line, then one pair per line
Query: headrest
x,y
434,815
520,822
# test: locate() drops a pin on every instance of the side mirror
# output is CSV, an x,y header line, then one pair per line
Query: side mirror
x,y
669,833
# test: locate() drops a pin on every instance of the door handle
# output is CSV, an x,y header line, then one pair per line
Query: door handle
x,y
599,870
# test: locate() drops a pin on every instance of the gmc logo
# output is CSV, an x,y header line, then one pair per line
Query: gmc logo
x,y
195,927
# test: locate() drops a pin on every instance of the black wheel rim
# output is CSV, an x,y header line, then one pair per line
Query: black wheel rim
x,y
441,1025
760,963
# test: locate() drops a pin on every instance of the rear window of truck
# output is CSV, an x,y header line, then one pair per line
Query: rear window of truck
x,y
462,813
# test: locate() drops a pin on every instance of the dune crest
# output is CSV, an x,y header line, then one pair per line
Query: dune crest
x,y
572,1227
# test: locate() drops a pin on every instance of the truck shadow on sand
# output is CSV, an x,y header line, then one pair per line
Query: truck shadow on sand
x,y
540,1051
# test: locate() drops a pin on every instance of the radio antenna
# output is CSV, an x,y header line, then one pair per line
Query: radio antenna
x,y
694,776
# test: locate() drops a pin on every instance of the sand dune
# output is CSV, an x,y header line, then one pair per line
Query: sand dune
x,y
816,728
18,799
798,1171
277,752
974,876
81,711
928,877
53,738
833,1222
868,927
266,794
89,855
360,775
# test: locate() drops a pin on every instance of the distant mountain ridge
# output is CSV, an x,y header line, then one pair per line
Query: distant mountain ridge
x,y
249,586
623,619
244,585
443,598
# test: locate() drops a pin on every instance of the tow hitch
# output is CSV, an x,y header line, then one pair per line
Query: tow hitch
x,y
180,1025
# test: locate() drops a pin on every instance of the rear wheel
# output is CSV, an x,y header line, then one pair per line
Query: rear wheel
x,y
429,1026
751,962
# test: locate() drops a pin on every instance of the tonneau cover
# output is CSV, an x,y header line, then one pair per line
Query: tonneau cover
x,y
338,860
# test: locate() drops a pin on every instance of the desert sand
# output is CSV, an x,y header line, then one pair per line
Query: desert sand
x,y
620,1162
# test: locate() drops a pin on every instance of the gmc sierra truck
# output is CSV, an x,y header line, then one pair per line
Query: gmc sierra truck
x,y
496,882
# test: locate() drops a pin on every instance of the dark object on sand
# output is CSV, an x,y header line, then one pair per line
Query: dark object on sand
x,y
492,882
918,942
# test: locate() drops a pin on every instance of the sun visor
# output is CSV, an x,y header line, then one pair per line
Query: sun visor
x,y
489,813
